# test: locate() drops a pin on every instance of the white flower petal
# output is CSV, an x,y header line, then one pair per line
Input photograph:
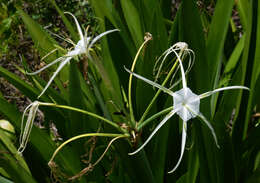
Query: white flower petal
x,y
151,82
100,36
183,142
22,128
187,99
26,131
164,56
207,94
78,50
210,127
45,67
184,114
184,84
62,64
77,24
166,118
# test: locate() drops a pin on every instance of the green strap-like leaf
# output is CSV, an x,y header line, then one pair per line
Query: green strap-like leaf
x,y
24,87
11,148
41,39
14,169
10,161
4,180
216,38
254,77
68,25
133,21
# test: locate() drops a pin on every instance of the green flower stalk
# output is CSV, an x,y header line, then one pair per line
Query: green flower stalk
x,y
116,136
185,103
147,37
82,47
159,64
33,108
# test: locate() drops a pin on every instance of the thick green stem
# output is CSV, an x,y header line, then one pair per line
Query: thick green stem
x,y
85,112
159,91
157,94
154,117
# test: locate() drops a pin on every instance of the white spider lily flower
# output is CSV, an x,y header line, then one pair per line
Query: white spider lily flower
x,y
26,130
185,103
82,47
183,50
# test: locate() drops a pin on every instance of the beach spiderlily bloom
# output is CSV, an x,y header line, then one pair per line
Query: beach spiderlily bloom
x,y
82,47
185,103
26,130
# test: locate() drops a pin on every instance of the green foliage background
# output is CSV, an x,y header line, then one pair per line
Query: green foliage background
x,y
225,55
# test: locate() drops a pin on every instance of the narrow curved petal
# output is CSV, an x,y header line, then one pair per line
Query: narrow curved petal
x,y
166,118
62,64
158,60
25,134
207,94
190,65
100,36
151,82
204,119
45,67
200,115
77,24
86,38
22,128
184,83
164,55
183,142
27,131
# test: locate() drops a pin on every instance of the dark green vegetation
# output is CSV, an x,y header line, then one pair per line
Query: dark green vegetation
x,y
226,55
